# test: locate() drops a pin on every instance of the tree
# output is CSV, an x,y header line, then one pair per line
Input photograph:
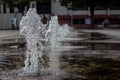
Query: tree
x,y
20,3
79,3
16,3
92,4
107,4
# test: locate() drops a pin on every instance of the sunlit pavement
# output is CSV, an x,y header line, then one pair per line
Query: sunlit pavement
x,y
8,33
109,32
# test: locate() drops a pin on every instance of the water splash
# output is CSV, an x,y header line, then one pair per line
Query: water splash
x,y
54,35
53,32
65,31
32,28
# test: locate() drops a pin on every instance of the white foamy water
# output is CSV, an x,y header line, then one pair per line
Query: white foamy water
x,y
31,28
54,34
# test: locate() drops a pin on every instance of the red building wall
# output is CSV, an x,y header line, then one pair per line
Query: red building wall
x,y
79,20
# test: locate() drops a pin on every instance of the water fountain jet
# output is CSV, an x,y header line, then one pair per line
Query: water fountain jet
x,y
31,28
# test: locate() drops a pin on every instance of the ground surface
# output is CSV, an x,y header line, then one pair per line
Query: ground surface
x,y
96,67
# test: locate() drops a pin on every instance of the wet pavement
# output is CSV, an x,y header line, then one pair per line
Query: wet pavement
x,y
115,33
7,33
78,64
109,32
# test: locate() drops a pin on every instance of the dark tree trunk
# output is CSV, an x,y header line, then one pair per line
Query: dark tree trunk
x,y
92,17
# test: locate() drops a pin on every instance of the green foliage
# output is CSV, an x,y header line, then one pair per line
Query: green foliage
x,y
90,3
77,4
15,3
20,3
66,3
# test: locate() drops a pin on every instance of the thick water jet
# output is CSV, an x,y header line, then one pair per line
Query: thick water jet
x,y
54,34
34,31
32,28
